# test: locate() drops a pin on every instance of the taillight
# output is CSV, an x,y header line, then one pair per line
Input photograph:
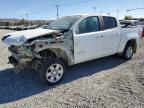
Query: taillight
x,y
142,33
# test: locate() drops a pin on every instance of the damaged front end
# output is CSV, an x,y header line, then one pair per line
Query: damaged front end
x,y
21,56
31,48
30,53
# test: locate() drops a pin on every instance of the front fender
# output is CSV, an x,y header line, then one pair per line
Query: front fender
x,y
63,46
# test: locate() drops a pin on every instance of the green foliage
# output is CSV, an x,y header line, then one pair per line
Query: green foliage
x,y
141,19
128,17
22,22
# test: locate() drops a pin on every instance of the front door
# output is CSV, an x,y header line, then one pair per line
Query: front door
x,y
88,41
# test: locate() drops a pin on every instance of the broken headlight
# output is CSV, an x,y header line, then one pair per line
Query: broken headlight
x,y
12,40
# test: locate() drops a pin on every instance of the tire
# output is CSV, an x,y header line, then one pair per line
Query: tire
x,y
52,71
128,52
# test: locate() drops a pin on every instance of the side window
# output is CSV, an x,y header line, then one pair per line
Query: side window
x,y
90,24
109,22
134,23
138,23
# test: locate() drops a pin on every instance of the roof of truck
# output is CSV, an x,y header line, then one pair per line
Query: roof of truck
x,y
93,15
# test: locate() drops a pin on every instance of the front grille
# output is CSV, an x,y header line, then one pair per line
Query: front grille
x,y
14,49
13,61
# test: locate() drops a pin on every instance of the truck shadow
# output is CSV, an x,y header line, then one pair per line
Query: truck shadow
x,y
14,87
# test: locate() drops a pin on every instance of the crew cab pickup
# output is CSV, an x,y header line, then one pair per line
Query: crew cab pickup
x,y
70,40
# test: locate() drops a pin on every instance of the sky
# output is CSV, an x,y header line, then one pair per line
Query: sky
x,y
46,9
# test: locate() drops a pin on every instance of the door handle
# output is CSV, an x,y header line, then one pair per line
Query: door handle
x,y
99,36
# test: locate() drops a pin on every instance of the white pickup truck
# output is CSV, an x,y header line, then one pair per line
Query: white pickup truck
x,y
68,41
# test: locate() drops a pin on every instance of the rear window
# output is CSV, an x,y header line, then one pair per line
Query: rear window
x,y
109,22
138,23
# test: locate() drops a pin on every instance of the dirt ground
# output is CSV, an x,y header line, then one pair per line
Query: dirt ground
x,y
110,82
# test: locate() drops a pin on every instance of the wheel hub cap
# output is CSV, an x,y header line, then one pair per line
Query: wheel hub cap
x,y
129,52
54,73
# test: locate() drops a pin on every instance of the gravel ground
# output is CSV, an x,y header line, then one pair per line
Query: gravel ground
x,y
110,82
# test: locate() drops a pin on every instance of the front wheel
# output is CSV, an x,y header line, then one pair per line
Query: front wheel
x,y
128,52
52,71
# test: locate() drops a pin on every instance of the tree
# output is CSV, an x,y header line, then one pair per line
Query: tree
x,y
22,22
141,19
128,17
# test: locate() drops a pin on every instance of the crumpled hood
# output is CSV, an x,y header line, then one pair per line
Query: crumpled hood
x,y
19,37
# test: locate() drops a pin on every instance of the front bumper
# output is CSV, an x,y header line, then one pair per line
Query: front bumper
x,y
16,59
19,65
13,61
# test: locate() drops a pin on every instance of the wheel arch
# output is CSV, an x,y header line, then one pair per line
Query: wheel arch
x,y
59,53
133,42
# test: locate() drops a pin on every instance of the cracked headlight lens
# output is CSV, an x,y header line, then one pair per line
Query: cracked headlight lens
x,y
15,40
20,40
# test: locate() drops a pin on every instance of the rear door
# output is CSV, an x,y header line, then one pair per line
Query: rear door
x,y
112,35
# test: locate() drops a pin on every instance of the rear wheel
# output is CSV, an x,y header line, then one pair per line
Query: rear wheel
x,y
52,71
128,52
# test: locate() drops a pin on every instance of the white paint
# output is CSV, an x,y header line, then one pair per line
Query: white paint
x,y
89,46
19,37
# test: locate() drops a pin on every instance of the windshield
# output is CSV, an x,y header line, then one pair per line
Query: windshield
x,y
63,23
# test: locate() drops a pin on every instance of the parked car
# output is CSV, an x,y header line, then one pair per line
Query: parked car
x,y
68,41
130,23
43,26
135,24
13,27
1,27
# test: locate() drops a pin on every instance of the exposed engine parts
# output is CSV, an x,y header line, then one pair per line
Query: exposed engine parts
x,y
34,51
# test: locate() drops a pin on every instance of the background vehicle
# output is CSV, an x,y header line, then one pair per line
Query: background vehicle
x,y
135,24
68,41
